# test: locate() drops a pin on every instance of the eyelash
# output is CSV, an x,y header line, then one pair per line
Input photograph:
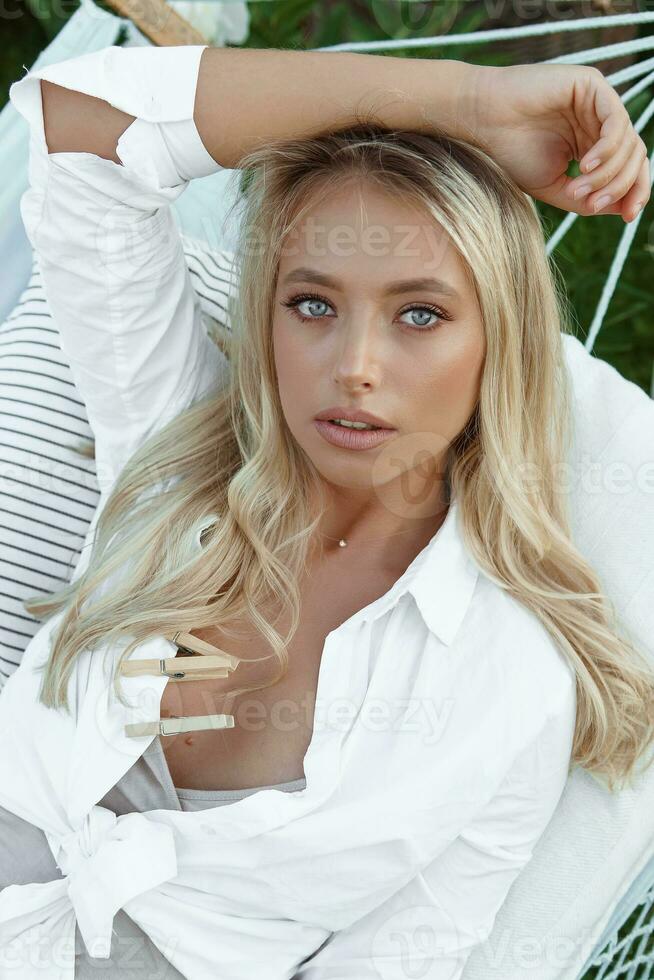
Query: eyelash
x,y
293,302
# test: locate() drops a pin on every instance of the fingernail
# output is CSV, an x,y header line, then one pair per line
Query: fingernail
x,y
581,191
591,165
601,202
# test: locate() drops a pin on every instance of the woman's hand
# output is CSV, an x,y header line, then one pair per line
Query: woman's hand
x,y
534,119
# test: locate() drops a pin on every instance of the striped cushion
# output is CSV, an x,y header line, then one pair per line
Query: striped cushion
x,y
49,491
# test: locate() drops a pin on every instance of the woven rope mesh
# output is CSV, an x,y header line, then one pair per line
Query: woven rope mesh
x,y
629,952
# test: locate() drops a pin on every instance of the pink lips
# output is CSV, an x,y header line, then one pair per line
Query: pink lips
x,y
346,438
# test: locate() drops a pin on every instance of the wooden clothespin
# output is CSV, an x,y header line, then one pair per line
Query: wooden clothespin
x,y
173,726
158,22
205,661
209,661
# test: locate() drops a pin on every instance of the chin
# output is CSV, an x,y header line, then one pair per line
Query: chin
x,y
347,475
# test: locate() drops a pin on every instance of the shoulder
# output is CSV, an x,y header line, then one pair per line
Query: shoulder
x,y
598,388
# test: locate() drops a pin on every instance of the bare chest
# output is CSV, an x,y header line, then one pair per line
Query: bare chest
x,y
272,726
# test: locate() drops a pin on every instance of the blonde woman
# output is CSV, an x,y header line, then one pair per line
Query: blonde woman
x,y
409,653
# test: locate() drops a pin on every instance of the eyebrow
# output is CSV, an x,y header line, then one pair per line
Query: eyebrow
x,y
305,274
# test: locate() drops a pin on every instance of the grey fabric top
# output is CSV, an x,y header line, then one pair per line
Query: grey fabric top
x,y
199,799
154,761
25,857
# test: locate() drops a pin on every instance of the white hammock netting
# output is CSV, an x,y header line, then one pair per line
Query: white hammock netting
x,y
628,953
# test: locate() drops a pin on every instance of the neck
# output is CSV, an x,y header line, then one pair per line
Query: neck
x,y
396,513
378,532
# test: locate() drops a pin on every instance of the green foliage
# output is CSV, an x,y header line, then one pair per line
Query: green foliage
x,y
51,16
626,338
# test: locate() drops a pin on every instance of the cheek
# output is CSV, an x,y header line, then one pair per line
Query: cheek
x,y
291,369
454,388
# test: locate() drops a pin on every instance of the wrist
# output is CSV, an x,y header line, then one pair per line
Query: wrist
x,y
444,95
474,103
459,104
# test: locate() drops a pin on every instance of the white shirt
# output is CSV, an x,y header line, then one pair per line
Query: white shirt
x,y
444,711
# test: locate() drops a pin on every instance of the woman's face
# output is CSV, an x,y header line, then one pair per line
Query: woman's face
x,y
361,339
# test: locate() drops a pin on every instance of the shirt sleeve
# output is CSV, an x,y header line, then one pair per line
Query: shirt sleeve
x,y
430,927
110,252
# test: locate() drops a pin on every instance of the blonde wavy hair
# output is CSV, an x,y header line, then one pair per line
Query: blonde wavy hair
x,y
232,455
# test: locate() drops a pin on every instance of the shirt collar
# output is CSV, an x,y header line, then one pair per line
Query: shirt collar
x,y
444,579
441,579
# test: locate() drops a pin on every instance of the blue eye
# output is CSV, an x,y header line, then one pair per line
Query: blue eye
x,y
424,311
295,301
313,299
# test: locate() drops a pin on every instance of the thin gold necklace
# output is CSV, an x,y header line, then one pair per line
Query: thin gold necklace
x,y
342,542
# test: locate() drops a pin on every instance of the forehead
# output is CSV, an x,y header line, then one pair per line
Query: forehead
x,y
359,230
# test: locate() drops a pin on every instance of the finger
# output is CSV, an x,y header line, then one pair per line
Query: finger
x,y
629,206
601,176
640,193
621,184
614,122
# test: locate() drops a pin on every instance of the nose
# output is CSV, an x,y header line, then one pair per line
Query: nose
x,y
357,360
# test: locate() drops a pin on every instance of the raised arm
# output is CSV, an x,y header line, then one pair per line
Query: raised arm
x,y
532,119
296,94
112,145
275,94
